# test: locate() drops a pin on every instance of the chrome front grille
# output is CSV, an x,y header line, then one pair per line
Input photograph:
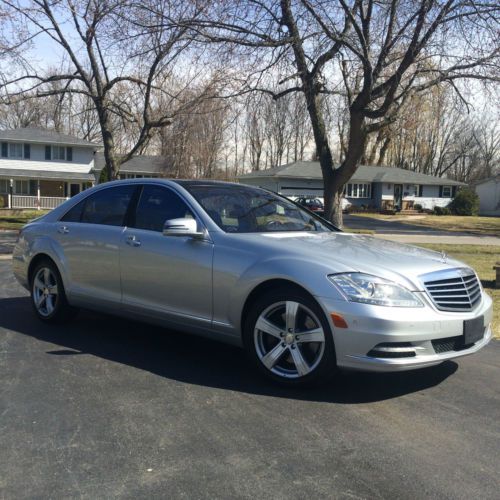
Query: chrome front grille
x,y
454,289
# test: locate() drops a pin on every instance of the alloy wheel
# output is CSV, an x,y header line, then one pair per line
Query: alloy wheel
x,y
289,339
45,292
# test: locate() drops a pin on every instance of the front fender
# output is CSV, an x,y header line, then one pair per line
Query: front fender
x,y
311,276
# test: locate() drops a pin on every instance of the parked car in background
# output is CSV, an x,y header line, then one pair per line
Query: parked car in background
x,y
313,204
317,206
247,266
346,205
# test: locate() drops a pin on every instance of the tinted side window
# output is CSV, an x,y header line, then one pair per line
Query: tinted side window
x,y
108,206
74,214
157,205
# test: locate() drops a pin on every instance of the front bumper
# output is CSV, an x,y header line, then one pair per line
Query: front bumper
x,y
369,326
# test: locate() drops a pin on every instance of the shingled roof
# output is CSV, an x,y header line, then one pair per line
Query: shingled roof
x,y
44,136
312,170
141,164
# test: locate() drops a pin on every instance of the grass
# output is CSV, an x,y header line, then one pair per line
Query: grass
x,y
481,258
17,219
358,231
469,224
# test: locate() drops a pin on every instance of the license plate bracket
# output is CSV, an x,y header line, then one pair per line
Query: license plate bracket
x,y
473,330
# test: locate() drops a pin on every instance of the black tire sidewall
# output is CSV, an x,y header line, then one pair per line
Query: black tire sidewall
x,y
62,310
326,367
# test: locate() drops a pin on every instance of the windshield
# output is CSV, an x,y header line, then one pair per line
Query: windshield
x,y
241,209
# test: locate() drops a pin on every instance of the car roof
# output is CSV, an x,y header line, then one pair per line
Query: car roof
x,y
187,183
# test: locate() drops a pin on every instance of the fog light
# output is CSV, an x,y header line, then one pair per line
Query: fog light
x,y
393,350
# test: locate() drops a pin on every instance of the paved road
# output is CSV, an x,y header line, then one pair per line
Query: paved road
x,y
381,226
405,232
107,408
450,239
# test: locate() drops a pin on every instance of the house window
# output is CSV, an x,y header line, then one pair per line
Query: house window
x,y
412,190
446,191
132,176
356,190
16,150
58,153
27,188
4,186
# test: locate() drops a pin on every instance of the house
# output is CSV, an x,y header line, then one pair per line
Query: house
x,y
488,191
42,168
383,188
137,167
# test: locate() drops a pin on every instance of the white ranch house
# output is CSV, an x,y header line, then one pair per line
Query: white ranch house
x,y
381,188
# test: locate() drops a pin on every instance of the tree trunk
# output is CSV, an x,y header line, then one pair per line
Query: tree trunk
x,y
110,158
111,163
383,151
334,183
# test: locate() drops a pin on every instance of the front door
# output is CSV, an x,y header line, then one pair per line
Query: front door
x,y
74,189
168,276
398,196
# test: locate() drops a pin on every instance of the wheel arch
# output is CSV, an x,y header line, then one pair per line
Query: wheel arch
x,y
40,257
264,287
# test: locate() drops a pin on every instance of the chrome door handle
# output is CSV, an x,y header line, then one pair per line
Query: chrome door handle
x,y
133,241
63,230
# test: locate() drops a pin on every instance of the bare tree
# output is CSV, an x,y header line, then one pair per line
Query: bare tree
x,y
376,54
436,133
255,128
193,142
118,58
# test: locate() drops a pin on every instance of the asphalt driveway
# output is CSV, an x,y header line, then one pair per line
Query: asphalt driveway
x,y
107,408
7,241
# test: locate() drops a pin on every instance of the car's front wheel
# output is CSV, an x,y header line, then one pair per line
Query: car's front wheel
x,y
48,296
288,337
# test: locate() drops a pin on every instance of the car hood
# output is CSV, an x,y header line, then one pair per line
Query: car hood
x,y
347,252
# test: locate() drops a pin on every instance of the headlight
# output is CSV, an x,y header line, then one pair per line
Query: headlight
x,y
367,289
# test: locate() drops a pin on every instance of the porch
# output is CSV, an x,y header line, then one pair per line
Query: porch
x,y
38,194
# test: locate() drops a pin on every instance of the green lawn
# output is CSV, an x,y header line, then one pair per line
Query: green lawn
x,y
17,219
481,258
475,225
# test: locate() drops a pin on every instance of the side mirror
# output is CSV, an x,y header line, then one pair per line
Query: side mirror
x,y
182,227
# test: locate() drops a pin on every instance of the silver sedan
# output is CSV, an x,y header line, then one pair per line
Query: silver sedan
x,y
243,265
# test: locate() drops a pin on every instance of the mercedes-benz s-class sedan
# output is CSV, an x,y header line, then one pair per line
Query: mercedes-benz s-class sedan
x,y
246,266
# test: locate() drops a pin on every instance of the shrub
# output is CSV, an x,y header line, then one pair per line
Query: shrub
x,y
466,202
417,206
442,211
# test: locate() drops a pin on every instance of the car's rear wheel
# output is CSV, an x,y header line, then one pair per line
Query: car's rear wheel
x,y
48,296
288,337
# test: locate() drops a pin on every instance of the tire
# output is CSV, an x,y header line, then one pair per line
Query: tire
x,y
290,358
48,296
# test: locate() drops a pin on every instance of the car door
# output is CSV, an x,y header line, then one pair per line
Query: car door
x,y
165,276
90,235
